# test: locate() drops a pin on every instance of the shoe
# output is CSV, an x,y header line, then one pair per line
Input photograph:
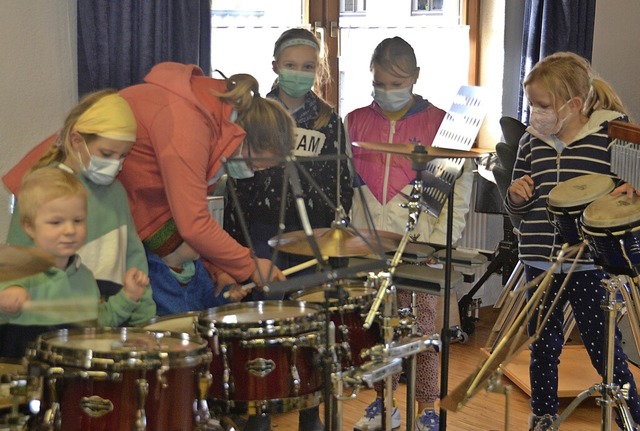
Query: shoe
x,y
428,421
372,419
309,420
258,423
541,423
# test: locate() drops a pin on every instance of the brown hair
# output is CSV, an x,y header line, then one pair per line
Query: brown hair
x,y
566,75
44,185
268,125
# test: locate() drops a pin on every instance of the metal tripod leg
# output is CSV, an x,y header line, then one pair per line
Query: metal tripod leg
x,y
611,394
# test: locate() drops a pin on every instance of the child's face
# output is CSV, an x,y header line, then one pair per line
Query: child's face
x,y
60,226
384,80
302,58
105,148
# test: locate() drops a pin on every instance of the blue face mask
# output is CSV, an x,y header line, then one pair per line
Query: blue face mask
x,y
237,167
392,100
296,83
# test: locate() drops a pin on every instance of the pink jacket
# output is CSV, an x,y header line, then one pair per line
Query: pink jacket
x,y
181,139
385,175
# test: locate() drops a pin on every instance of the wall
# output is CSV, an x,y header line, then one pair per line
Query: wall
x,y
615,50
38,80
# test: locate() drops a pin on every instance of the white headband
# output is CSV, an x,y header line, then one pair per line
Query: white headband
x,y
296,41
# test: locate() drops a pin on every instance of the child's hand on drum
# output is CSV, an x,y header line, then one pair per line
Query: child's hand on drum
x,y
626,189
135,282
12,298
235,293
521,190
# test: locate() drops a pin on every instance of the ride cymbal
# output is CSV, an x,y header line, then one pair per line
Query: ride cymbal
x,y
17,262
420,153
337,242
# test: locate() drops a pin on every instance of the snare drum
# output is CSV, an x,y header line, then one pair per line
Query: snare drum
x,y
118,379
184,322
568,199
349,319
612,226
265,356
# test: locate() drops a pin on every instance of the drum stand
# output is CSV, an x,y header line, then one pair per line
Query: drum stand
x,y
611,394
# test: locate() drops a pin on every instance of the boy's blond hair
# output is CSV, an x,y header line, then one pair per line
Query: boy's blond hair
x,y
44,185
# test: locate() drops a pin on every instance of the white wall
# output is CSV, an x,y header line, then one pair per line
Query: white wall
x,y
38,83
616,56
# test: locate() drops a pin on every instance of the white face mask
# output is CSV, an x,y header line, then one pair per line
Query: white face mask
x,y
392,100
546,122
100,170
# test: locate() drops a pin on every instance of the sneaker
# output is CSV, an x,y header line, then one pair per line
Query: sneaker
x,y
428,421
372,419
541,423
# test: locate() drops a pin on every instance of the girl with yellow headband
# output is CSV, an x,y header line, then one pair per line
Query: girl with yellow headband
x,y
96,136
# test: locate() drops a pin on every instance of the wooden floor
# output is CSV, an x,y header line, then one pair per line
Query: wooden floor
x,y
485,411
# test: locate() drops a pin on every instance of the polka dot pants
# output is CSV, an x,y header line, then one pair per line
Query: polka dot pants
x,y
585,293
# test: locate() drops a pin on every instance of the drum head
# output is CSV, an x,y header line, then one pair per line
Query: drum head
x,y
356,294
116,349
185,322
609,211
580,190
248,319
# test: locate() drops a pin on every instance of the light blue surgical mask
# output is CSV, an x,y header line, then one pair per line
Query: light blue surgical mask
x,y
237,167
392,100
100,170
296,83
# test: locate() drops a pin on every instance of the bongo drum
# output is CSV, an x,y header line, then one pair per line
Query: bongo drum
x,y
612,227
568,199
119,379
265,356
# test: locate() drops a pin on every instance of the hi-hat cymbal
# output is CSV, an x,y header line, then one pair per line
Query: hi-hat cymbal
x,y
336,242
420,153
17,262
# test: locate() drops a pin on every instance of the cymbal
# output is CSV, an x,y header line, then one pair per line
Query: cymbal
x,y
17,262
420,153
336,242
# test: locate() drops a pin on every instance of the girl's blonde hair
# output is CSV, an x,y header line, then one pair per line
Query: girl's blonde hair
x,y
323,73
395,56
62,147
566,75
44,185
268,125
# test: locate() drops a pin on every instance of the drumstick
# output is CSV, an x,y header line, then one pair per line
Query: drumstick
x,y
60,305
288,271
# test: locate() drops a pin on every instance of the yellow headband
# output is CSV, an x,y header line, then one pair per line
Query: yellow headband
x,y
110,117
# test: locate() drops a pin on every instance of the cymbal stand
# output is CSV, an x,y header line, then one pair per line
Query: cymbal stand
x,y
611,394
387,292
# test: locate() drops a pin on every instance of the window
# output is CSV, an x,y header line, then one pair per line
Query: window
x,y
427,6
353,6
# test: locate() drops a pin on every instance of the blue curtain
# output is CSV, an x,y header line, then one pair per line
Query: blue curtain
x,y
119,41
551,26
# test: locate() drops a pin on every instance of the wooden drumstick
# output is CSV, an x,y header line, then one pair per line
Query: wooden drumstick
x,y
288,271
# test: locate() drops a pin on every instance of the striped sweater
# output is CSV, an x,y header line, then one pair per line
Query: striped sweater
x,y
588,153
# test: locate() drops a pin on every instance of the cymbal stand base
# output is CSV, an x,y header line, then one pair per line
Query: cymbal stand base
x,y
611,394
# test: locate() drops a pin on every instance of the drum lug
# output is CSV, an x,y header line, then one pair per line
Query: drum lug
x,y
141,415
295,376
227,384
203,383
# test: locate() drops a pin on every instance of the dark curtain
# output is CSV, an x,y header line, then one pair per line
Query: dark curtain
x,y
119,41
551,26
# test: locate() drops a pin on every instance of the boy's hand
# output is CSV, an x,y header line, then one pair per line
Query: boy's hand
x,y
223,280
135,282
12,298
235,293
521,190
626,189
